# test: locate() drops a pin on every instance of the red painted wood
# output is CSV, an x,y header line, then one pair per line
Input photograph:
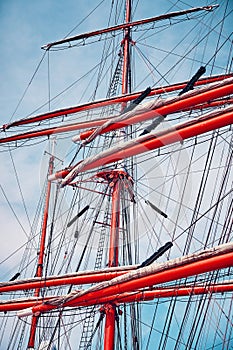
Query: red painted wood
x,y
126,26
39,271
109,329
124,292
184,103
96,277
115,226
96,104
162,139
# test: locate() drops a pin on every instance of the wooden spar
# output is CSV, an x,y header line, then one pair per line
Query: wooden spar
x,y
76,279
174,292
168,275
110,308
151,142
127,25
146,295
39,271
185,103
53,131
109,327
107,102
115,226
126,52
210,104
194,264
178,105
162,277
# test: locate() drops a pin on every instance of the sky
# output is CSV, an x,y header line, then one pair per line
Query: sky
x,y
25,27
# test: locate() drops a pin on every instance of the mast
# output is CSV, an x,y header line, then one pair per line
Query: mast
x,y
126,52
41,254
110,309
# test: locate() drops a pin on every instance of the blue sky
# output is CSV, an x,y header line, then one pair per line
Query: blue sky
x,y
26,26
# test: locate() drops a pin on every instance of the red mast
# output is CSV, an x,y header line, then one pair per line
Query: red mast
x,y
126,52
39,271
110,309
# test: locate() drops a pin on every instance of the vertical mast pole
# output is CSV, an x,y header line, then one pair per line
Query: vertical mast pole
x,y
126,52
110,309
39,271
115,224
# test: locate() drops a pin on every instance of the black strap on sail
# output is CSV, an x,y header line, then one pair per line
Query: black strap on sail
x,y
157,254
159,211
189,86
193,80
139,99
78,215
